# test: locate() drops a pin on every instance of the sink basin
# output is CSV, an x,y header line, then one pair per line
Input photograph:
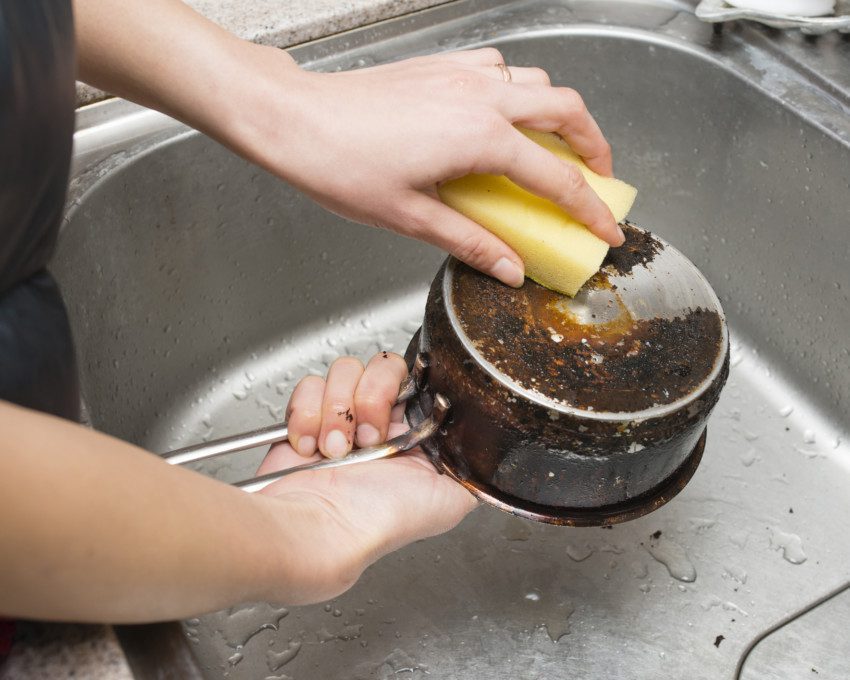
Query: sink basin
x,y
201,289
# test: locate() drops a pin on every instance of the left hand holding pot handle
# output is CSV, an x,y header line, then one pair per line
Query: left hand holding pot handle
x,y
351,516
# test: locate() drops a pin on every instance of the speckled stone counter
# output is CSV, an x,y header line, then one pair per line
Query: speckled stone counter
x,y
282,23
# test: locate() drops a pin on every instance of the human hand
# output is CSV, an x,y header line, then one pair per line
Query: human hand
x,y
373,144
370,144
351,516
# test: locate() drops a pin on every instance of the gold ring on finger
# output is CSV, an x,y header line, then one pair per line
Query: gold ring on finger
x,y
506,72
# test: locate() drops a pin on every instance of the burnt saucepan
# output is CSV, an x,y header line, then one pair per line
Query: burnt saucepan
x,y
579,411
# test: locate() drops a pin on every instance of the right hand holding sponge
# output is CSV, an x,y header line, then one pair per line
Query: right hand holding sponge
x,y
559,252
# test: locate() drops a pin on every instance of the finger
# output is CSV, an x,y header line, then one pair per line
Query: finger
x,y
376,395
518,74
339,417
465,239
544,174
397,414
304,414
478,57
561,110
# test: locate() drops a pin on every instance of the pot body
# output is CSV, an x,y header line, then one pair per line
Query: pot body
x,y
538,461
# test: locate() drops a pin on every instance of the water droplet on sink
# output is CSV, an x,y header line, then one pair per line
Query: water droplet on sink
x,y
243,624
611,548
639,570
732,607
808,453
345,634
791,546
557,623
276,660
735,573
711,602
786,411
701,524
532,596
399,662
578,553
674,557
748,457
809,436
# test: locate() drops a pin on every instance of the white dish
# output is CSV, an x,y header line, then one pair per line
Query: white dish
x,y
796,8
716,11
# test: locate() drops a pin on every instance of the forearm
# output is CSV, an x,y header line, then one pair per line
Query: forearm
x,y
164,55
95,529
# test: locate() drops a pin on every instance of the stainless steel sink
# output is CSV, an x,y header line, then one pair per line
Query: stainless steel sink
x,y
201,289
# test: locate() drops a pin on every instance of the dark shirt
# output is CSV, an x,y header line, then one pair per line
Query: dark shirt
x,y
37,365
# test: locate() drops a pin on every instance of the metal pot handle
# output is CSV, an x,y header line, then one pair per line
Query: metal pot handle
x,y
280,433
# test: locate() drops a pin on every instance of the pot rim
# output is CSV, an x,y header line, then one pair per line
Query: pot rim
x,y
606,416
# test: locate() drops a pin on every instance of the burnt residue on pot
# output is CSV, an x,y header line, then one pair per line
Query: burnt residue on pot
x,y
622,364
524,452
640,248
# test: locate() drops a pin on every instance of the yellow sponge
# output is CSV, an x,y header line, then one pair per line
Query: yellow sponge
x,y
559,252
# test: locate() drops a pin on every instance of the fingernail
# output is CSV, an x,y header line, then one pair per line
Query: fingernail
x,y
367,435
336,445
622,235
509,272
307,446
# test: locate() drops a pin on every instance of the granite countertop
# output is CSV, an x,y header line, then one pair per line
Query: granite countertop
x,y
63,651
283,23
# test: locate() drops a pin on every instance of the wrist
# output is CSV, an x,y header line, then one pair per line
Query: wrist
x,y
314,555
255,102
